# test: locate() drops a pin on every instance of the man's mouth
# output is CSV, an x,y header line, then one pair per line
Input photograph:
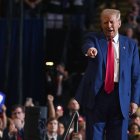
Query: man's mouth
x,y
110,31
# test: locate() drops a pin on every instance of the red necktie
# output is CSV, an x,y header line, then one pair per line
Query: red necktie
x,y
109,79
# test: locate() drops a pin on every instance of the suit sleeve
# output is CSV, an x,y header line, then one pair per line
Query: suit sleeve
x,y
88,42
135,97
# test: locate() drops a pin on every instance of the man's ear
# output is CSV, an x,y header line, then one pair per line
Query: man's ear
x,y
119,24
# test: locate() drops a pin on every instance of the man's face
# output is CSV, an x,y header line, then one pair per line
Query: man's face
x,y
52,126
110,25
73,105
18,114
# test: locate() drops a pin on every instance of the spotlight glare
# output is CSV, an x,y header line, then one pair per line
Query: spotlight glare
x,y
49,63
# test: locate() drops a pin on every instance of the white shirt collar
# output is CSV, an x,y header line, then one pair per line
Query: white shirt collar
x,y
52,136
116,38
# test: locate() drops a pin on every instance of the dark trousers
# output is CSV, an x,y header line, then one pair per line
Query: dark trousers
x,y
105,121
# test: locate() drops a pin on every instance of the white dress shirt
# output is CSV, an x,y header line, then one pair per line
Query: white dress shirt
x,y
116,57
52,136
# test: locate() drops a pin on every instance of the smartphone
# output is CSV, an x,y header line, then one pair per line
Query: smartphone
x,y
2,100
59,107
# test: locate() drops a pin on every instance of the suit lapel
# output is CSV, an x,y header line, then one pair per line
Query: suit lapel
x,y
103,45
123,50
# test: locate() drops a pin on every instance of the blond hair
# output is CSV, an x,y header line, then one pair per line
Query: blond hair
x,y
111,12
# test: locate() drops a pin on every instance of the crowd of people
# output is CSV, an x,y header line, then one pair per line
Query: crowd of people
x,y
57,122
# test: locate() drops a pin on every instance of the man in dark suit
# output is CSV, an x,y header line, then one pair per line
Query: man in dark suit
x,y
107,110
52,130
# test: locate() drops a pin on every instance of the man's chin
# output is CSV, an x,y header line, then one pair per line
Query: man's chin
x,y
110,35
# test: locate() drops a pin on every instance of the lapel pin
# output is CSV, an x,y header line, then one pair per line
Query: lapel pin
x,y
124,47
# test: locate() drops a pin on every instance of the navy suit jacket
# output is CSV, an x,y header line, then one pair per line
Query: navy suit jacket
x,y
93,79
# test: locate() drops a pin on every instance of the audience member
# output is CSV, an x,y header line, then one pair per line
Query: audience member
x,y
133,129
72,107
61,129
14,130
58,112
62,85
135,119
3,116
80,135
29,102
18,112
52,129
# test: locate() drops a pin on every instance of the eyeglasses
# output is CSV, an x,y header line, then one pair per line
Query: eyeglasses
x,y
15,113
